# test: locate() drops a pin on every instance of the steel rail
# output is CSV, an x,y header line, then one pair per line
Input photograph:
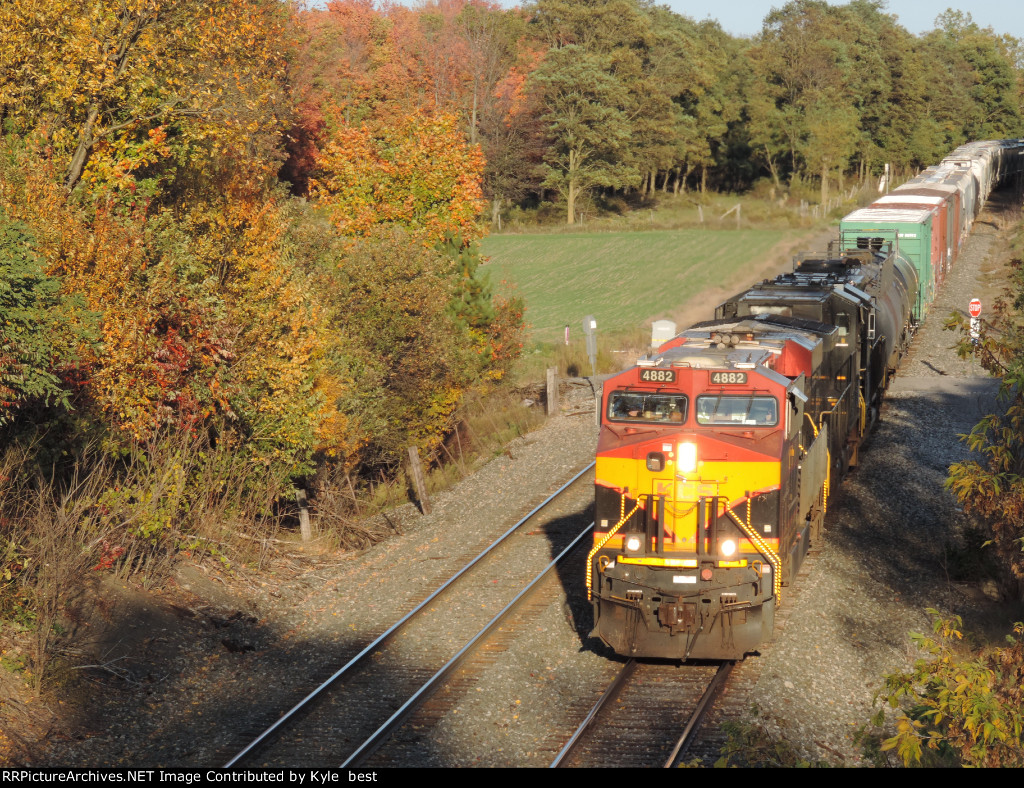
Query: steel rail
x,y
302,704
610,693
369,746
693,725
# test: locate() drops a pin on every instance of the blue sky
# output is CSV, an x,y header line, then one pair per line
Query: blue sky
x,y
744,17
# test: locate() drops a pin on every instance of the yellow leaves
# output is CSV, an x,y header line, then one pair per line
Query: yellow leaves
x,y
282,332
101,68
413,170
906,742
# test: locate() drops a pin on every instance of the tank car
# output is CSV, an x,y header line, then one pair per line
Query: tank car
x,y
716,453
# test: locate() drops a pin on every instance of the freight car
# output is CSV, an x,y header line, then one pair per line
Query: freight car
x,y
931,214
717,452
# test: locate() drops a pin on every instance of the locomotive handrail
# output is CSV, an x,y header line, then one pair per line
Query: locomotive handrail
x,y
590,556
762,546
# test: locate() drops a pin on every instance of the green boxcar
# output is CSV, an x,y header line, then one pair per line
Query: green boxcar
x,y
912,228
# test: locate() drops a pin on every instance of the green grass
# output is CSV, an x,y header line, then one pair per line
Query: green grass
x,y
624,279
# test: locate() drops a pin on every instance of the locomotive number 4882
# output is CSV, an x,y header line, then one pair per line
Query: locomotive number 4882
x,y
658,375
729,377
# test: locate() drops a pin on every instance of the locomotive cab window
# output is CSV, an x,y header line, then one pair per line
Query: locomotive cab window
x,y
647,407
737,409
843,326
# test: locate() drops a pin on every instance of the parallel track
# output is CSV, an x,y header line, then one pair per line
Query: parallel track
x,y
369,746
324,727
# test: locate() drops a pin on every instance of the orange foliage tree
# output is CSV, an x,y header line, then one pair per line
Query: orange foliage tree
x,y
162,358
417,172
356,65
141,145
288,363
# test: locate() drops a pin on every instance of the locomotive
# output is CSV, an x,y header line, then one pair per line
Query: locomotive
x,y
717,452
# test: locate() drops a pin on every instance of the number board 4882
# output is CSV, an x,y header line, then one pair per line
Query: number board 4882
x,y
658,375
728,378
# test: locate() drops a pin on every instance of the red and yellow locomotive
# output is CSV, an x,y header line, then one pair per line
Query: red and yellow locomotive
x,y
716,454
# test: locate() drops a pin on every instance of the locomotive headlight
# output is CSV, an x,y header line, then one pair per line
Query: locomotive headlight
x,y
687,462
633,544
728,548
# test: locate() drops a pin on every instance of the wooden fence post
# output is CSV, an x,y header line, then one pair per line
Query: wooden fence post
x,y
552,398
418,480
305,529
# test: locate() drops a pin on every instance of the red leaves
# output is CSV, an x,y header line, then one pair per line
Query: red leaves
x,y
109,554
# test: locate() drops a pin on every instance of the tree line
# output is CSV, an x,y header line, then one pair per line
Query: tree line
x,y
574,102
251,225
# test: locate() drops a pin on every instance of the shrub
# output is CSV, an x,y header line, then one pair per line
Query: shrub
x,y
956,708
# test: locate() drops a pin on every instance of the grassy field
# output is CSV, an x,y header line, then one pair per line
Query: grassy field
x,y
624,279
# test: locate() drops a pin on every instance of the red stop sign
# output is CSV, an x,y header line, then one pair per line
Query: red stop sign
x,y
975,307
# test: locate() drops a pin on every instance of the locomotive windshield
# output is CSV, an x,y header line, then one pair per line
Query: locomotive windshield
x,y
644,406
732,409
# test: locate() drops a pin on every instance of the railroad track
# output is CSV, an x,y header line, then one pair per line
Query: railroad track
x,y
648,716
347,716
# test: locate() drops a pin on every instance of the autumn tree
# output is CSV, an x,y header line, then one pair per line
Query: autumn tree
x,y
161,344
389,296
496,59
179,99
417,172
99,76
511,140
955,709
492,39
